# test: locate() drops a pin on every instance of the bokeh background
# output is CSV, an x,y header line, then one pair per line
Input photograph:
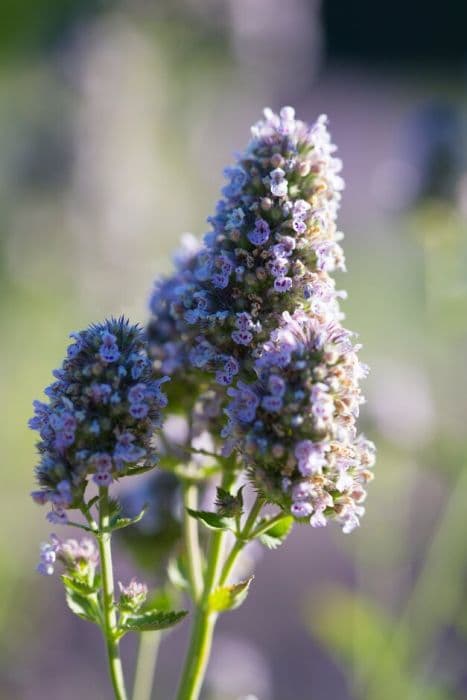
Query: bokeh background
x,y
116,119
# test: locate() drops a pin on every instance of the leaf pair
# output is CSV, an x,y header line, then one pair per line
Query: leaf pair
x,y
82,599
213,521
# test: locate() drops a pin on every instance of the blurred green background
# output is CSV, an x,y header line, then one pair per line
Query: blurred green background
x,y
116,119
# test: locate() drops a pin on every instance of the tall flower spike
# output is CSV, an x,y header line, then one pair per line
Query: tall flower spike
x,y
272,244
260,311
102,411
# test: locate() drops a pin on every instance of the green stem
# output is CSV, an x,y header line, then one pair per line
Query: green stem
x,y
146,664
203,627
264,527
108,603
190,531
205,619
242,540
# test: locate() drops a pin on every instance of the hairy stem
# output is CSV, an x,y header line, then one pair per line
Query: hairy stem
x,y
205,619
241,541
108,603
203,627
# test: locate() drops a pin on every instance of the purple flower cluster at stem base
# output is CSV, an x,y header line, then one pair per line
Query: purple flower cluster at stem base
x,y
102,412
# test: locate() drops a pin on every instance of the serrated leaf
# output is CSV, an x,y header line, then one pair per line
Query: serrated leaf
x,y
275,535
153,620
83,606
229,597
117,523
177,574
213,521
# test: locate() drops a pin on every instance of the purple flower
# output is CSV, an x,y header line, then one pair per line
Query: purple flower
x,y
261,232
278,267
48,557
102,478
311,457
244,404
76,556
102,462
225,375
242,337
101,393
282,284
272,404
285,248
238,178
235,219
137,393
279,184
301,509
244,322
109,351
276,385
139,410
133,595
220,280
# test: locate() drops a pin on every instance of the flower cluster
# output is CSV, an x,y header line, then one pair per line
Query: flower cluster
x,y
102,411
297,421
167,336
80,558
272,243
132,596
258,309
174,347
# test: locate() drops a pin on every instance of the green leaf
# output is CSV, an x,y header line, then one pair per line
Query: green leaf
x,y
213,521
229,597
83,606
153,620
117,522
275,535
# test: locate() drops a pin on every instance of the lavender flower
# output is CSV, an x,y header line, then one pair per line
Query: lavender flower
x,y
79,558
132,596
102,411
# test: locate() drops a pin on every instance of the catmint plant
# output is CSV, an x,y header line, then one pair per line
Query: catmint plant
x,y
264,380
98,426
253,316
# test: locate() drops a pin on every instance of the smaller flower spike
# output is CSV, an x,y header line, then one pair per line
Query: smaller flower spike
x,y
297,422
101,415
79,558
134,595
